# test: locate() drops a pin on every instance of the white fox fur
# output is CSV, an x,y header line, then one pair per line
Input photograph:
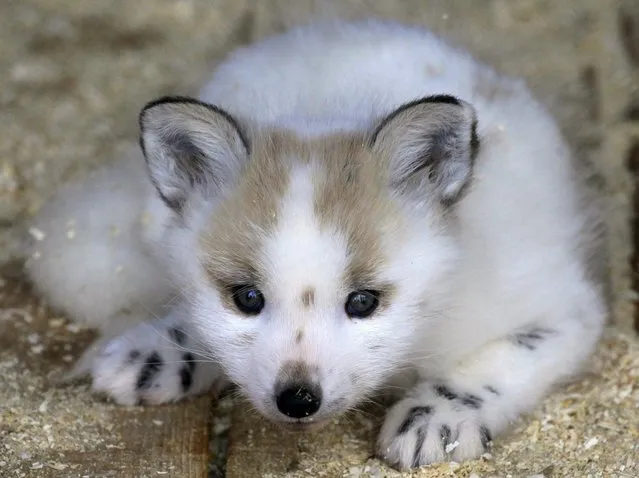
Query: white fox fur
x,y
493,299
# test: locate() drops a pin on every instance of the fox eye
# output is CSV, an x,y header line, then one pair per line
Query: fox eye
x,y
248,299
362,303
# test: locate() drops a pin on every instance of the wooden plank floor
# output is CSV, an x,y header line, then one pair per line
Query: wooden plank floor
x,y
66,431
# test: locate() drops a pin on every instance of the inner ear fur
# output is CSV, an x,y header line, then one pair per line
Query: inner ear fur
x,y
190,147
430,145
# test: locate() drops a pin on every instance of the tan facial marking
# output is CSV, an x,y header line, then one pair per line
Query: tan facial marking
x,y
297,372
232,242
351,199
308,297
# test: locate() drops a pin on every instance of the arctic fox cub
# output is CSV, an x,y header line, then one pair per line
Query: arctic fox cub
x,y
346,207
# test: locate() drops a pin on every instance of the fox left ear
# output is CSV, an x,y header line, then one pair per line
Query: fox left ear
x,y
430,146
192,149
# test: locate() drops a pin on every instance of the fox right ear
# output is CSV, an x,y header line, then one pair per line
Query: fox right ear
x,y
430,145
191,148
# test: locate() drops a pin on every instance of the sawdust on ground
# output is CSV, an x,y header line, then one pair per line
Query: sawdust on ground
x,y
589,428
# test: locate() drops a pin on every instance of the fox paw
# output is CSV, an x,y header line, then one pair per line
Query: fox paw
x,y
152,364
435,423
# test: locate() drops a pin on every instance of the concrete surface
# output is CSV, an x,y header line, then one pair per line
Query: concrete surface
x,y
74,75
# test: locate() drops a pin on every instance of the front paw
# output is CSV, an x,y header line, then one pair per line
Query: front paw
x,y
434,424
151,364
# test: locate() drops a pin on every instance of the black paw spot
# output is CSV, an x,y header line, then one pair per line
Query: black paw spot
x,y
444,435
524,340
492,390
186,379
178,335
472,401
133,356
532,338
186,372
421,438
414,414
190,361
444,391
485,436
152,366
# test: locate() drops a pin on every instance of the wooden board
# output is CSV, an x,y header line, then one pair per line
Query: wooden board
x,y
47,430
633,167
258,448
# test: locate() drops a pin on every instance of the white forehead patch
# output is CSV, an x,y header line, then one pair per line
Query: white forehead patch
x,y
299,255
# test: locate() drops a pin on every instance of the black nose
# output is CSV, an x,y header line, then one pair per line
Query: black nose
x,y
299,401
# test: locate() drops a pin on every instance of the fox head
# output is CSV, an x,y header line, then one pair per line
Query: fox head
x,y
312,264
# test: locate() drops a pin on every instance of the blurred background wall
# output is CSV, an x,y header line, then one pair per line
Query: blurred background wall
x,y
73,76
